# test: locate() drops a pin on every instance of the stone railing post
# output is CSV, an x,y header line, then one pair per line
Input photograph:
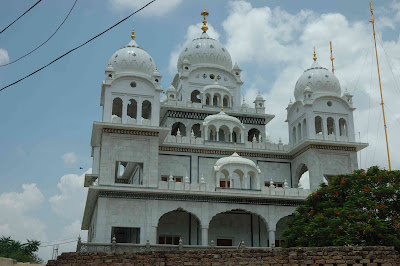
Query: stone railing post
x,y
78,246
147,245
180,246
114,244
212,244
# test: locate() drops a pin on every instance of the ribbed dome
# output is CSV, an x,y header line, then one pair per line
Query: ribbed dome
x,y
205,51
215,86
131,59
221,116
320,80
234,159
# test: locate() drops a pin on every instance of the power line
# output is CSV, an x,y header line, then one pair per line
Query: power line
x,y
20,16
77,47
58,244
51,36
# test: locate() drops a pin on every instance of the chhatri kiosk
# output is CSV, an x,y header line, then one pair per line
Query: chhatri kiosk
x,y
196,164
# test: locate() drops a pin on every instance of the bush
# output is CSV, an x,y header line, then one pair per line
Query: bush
x,y
362,208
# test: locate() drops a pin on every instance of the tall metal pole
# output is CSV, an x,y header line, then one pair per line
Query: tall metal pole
x,y
380,85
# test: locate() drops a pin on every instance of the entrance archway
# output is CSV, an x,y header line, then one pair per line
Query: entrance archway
x,y
178,224
232,227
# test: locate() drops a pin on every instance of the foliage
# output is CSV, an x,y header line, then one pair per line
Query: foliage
x,y
13,249
362,208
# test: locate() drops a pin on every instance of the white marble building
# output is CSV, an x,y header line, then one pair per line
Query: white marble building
x,y
197,163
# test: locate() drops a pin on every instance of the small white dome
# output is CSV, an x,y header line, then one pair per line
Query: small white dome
x,y
320,80
259,98
205,51
171,88
216,86
132,58
234,159
221,116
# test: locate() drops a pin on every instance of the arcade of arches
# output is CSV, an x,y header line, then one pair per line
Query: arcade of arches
x,y
225,229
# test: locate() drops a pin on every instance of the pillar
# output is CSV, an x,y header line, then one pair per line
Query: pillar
x,y
337,130
204,236
139,111
271,234
124,111
151,235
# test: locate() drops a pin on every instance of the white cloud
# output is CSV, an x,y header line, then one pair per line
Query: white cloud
x,y
71,200
157,8
4,59
69,158
275,47
193,32
16,210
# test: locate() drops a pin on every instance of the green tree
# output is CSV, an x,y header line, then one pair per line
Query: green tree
x,y
362,209
13,249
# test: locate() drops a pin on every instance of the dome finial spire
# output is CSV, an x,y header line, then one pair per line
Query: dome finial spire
x,y
315,55
204,13
133,33
333,68
235,146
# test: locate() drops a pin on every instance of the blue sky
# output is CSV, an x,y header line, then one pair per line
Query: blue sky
x,y
50,114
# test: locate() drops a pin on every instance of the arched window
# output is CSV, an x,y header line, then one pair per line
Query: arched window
x,y
212,135
318,125
117,110
223,134
299,132
343,127
226,101
330,124
208,99
304,128
302,175
146,109
294,134
216,99
180,126
253,132
196,130
132,109
236,137
195,96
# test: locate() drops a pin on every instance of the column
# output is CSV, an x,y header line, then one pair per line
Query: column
x,y
139,111
124,110
151,234
337,130
204,236
271,234
324,127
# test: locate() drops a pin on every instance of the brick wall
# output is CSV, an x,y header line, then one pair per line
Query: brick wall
x,y
334,256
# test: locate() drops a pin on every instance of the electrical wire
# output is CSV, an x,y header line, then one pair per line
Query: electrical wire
x,y
77,47
60,240
58,244
51,36
20,16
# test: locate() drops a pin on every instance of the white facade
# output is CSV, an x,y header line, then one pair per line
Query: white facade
x,y
196,165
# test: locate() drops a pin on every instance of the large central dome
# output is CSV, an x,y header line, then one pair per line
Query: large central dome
x,y
206,51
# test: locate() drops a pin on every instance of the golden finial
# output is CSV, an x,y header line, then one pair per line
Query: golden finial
x,y
133,33
333,68
315,55
216,79
222,106
204,13
372,12
235,146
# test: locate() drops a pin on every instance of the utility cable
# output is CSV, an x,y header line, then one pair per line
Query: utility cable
x,y
51,36
20,16
77,47
58,244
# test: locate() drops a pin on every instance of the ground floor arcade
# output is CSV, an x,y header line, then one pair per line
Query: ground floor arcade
x,y
196,223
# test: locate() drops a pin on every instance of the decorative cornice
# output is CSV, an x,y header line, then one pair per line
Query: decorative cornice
x,y
219,152
202,116
200,198
260,155
130,132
